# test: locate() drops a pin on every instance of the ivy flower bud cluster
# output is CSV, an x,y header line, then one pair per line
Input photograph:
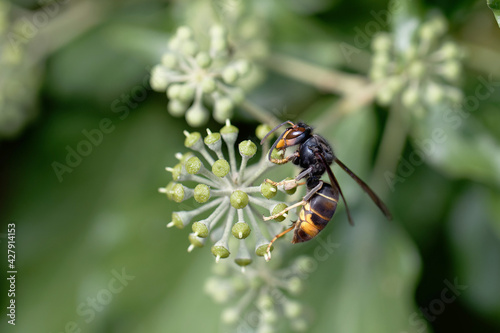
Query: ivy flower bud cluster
x,y
422,72
264,299
190,74
226,205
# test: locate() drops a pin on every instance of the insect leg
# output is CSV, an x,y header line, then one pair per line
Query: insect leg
x,y
268,251
297,204
283,160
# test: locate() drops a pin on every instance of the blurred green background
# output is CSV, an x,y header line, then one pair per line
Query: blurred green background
x,y
86,66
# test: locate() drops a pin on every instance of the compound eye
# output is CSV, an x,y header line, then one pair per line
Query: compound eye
x,y
291,137
294,133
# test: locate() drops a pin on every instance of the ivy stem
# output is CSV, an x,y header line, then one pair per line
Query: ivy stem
x,y
80,17
260,114
347,104
391,149
322,78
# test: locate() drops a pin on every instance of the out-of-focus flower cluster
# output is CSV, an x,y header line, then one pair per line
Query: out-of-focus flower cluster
x,y
192,75
247,22
264,299
226,190
19,76
421,68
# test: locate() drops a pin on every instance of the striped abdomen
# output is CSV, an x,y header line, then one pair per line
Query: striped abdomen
x,y
316,213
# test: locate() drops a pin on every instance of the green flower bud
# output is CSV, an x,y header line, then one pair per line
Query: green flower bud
x,y
223,109
305,264
208,85
201,229
168,190
197,115
203,59
229,75
295,285
213,141
384,96
277,154
243,259
411,53
176,171
229,130
230,315
292,309
242,67
451,70
426,31
266,328
434,93
190,47
268,190
169,60
174,91
220,168
377,73
193,165
178,193
184,157
176,107
247,148
291,190
184,32
382,43
261,249
262,131
218,45
380,60
159,78
238,282
174,43
277,209
186,92
180,219
270,316
220,251
237,95
438,25
218,31
192,140
410,97
241,230
196,241
450,50
239,199
201,193
265,302
395,84
417,69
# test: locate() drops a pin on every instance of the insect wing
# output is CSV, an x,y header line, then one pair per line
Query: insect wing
x,y
366,188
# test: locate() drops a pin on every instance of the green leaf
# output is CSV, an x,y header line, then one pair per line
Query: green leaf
x,y
495,7
367,282
476,251
455,143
